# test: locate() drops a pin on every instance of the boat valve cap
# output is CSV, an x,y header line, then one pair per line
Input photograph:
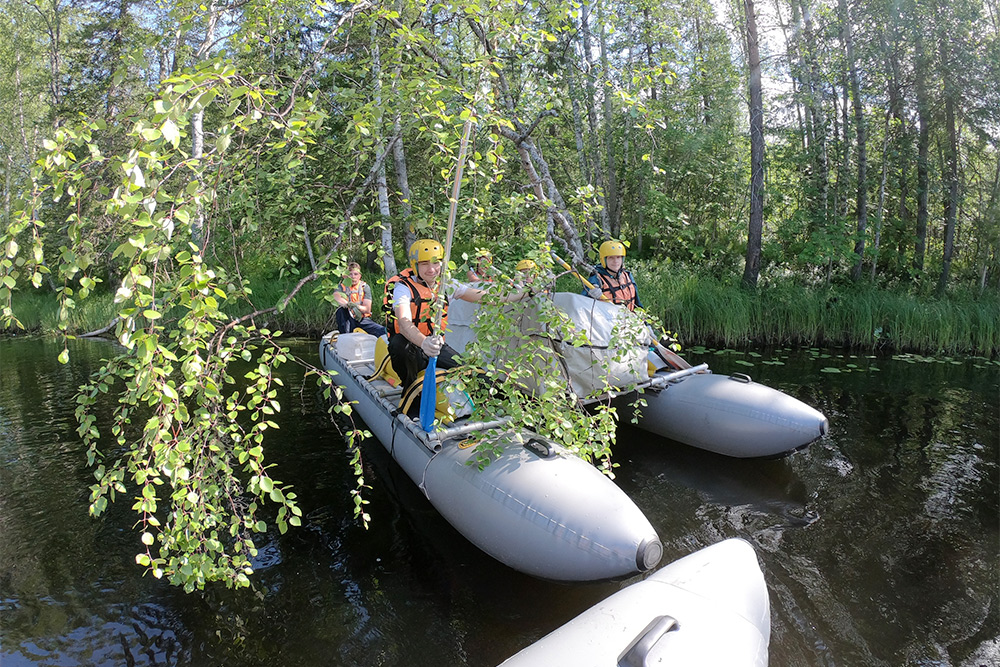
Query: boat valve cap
x,y
649,554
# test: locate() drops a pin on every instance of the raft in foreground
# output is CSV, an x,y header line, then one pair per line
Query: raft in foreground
x,y
537,508
708,608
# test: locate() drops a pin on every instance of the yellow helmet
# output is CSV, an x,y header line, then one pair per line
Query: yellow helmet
x,y
483,253
611,249
526,265
425,250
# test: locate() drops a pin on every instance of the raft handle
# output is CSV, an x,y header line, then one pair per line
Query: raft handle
x,y
741,377
538,447
636,653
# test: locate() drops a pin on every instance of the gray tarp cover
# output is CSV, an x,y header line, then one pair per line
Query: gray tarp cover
x,y
605,363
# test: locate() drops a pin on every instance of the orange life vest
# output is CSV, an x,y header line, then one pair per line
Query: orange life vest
x,y
421,298
620,289
355,294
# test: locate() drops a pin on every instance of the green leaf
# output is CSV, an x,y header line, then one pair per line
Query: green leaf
x,y
136,177
171,133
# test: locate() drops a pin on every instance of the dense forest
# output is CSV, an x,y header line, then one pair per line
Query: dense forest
x,y
172,157
823,141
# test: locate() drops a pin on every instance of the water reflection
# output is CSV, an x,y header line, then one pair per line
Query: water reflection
x,y
879,542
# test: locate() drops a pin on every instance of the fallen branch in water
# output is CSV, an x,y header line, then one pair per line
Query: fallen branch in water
x,y
98,332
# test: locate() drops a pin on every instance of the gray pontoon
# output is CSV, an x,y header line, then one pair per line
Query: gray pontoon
x,y
708,608
535,507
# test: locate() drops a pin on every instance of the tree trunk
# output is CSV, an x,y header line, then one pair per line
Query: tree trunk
x,y
706,101
900,150
381,186
403,182
992,248
611,197
595,154
751,270
817,116
923,146
8,174
53,29
198,236
581,151
845,158
859,122
951,204
534,164
795,66
880,213
649,50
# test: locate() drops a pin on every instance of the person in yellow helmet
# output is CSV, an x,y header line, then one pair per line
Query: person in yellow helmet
x,y
413,335
481,267
610,279
527,271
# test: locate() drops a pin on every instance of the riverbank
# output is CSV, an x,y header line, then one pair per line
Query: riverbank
x,y
700,310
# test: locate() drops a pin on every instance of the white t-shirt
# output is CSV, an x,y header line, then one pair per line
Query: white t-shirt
x,y
401,295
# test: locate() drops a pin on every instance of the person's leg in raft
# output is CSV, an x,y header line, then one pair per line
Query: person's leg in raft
x,y
372,327
407,359
345,323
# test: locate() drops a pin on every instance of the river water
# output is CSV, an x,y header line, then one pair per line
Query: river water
x,y
880,543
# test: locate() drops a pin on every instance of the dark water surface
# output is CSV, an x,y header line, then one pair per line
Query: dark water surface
x,y
880,543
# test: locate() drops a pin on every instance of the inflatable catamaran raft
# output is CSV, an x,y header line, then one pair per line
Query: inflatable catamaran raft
x,y
708,608
535,507
730,415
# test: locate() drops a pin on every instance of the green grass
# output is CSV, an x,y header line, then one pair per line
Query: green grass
x,y
705,310
700,308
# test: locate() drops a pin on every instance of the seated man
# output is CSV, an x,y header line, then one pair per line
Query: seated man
x,y
481,268
611,281
526,271
409,297
355,304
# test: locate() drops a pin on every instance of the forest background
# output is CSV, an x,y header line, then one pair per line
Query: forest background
x,y
191,177
840,157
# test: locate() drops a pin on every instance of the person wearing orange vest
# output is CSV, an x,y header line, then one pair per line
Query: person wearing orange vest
x,y
409,296
611,281
355,300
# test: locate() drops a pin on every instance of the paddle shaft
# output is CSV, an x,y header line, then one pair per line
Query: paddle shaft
x,y
428,393
579,277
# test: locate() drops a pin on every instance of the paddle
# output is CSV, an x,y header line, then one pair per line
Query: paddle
x,y
573,271
428,395
669,357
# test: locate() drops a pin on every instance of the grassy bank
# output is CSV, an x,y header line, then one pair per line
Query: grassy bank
x,y
706,310
700,309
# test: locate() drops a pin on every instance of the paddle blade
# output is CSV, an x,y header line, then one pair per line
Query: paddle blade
x,y
428,396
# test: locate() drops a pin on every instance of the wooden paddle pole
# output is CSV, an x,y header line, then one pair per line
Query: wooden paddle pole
x,y
428,394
